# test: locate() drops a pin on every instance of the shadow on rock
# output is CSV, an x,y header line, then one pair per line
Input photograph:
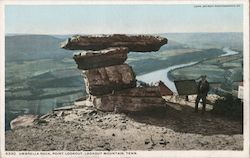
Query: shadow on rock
x,y
183,119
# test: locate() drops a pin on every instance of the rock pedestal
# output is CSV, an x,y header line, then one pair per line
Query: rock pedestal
x,y
135,99
110,83
104,80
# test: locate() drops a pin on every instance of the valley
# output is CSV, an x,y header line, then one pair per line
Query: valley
x,y
39,76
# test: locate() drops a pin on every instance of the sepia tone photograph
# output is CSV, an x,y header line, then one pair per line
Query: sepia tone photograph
x,y
124,79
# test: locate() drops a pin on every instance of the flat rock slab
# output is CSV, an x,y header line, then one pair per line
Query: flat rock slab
x,y
152,91
23,121
135,43
95,59
126,103
106,80
134,99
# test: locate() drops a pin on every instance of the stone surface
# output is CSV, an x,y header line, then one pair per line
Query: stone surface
x,y
23,121
106,80
136,43
70,107
86,133
150,91
95,59
164,90
133,99
127,104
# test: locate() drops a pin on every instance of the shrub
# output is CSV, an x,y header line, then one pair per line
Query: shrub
x,y
229,106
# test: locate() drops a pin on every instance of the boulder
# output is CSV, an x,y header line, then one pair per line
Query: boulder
x,y
23,121
100,81
135,43
111,103
134,99
95,59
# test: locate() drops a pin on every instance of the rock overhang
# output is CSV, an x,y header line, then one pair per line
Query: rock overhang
x,y
135,43
111,83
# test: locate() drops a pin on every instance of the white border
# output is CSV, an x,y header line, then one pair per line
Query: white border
x,y
2,79
169,153
246,77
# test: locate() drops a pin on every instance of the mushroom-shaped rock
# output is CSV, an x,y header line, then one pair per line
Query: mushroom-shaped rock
x,y
135,43
95,59
105,80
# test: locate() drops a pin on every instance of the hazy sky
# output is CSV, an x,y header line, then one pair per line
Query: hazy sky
x,y
89,19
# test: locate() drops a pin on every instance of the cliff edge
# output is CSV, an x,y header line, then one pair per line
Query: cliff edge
x,y
83,127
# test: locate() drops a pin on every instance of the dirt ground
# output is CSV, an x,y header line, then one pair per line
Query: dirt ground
x,y
81,127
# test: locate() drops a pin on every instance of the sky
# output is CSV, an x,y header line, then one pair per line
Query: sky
x,y
114,18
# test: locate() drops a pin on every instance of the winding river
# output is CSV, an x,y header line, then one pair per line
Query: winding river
x,y
228,51
158,75
162,74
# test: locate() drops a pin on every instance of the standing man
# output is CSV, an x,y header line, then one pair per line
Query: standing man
x,y
202,90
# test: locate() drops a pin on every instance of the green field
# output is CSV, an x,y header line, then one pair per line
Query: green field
x,y
144,63
40,85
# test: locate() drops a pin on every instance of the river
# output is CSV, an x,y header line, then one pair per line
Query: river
x,y
228,51
162,74
158,75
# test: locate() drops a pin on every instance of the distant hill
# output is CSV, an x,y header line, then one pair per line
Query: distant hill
x,y
173,45
33,47
208,40
40,85
233,40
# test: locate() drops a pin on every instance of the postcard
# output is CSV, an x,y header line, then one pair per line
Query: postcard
x,y
124,79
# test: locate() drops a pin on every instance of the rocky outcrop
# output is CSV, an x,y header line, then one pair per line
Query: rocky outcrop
x,y
110,83
95,59
135,99
135,43
150,91
83,128
164,90
104,80
23,121
126,103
